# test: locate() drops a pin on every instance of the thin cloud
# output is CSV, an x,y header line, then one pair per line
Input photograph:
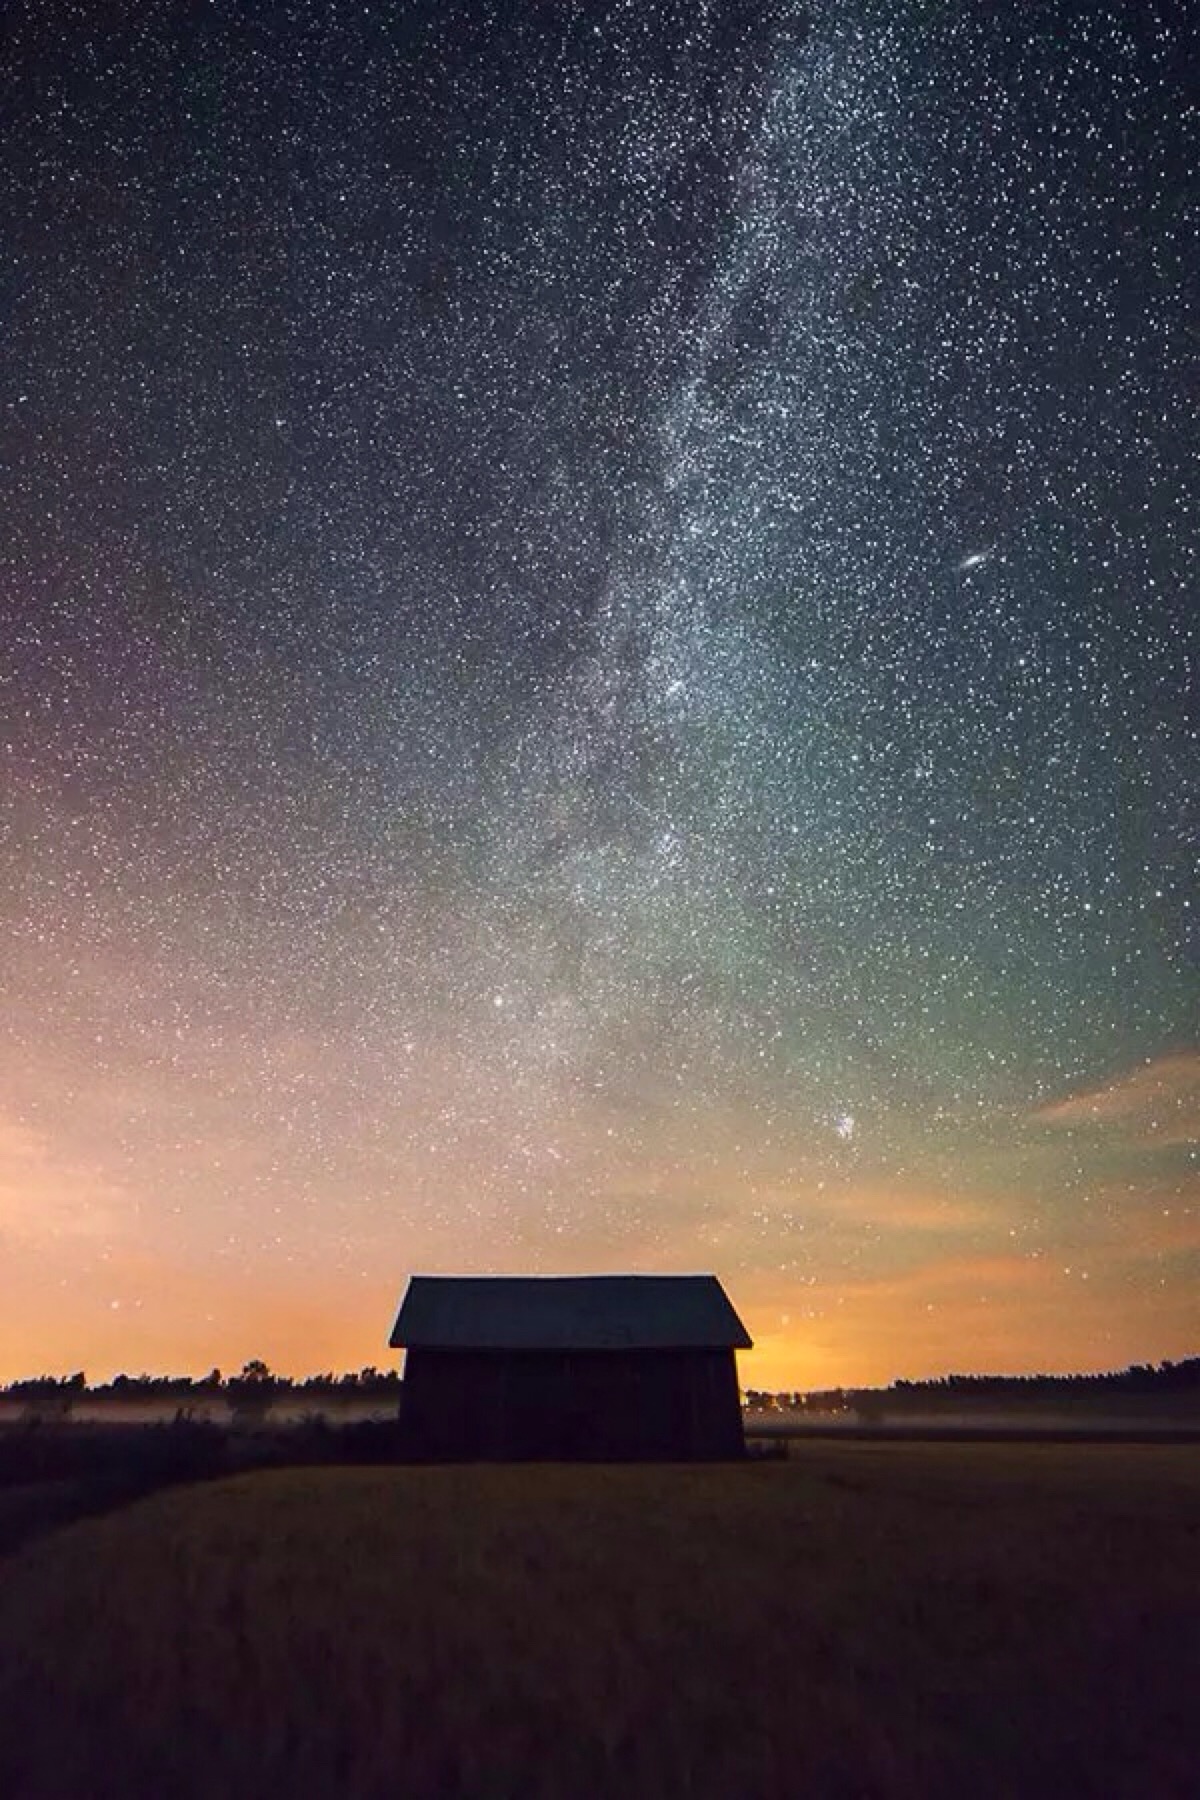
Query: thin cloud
x,y
1156,1102
46,1197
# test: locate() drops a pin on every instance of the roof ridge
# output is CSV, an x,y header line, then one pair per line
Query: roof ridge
x,y
585,1312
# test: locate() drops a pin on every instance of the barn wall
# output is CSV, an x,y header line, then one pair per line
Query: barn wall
x,y
556,1405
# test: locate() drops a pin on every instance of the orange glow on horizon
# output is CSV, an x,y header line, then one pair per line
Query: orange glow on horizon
x,y
882,1278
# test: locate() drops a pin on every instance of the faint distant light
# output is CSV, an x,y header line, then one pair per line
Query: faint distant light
x,y
497,999
844,1126
973,560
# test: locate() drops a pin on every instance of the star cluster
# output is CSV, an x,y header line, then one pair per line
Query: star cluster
x,y
596,607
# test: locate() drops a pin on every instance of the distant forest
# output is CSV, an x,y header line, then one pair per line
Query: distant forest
x,y
256,1386
253,1390
357,1382
947,1392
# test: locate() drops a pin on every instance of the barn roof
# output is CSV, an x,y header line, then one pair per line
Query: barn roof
x,y
567,1312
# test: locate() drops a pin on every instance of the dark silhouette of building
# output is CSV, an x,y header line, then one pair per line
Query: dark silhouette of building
x,y
616,1367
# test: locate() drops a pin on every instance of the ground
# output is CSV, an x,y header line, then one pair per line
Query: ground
x,y
860,1620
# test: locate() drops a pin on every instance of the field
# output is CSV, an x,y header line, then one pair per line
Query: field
x,y
859,1620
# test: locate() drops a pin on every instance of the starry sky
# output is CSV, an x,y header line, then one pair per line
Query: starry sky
x,y
596,610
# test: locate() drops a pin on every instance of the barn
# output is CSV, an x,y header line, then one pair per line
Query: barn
x,y
601,1367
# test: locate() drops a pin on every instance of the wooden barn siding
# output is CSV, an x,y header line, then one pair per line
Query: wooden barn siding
x,y
616,1404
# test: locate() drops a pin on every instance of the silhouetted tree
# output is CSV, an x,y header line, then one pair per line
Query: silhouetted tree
x,y
48,1399
250,1393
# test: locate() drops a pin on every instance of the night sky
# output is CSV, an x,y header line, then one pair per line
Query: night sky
x,y
596,606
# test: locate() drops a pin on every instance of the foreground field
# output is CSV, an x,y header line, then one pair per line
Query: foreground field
x,y
863,1619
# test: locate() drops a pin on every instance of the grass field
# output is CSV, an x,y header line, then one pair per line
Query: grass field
x,y
862,1619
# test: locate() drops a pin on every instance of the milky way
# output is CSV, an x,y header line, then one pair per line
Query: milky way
x,y
596,623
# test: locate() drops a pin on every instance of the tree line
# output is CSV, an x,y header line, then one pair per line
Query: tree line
x,y
1139,1379
253,1389
257,1385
